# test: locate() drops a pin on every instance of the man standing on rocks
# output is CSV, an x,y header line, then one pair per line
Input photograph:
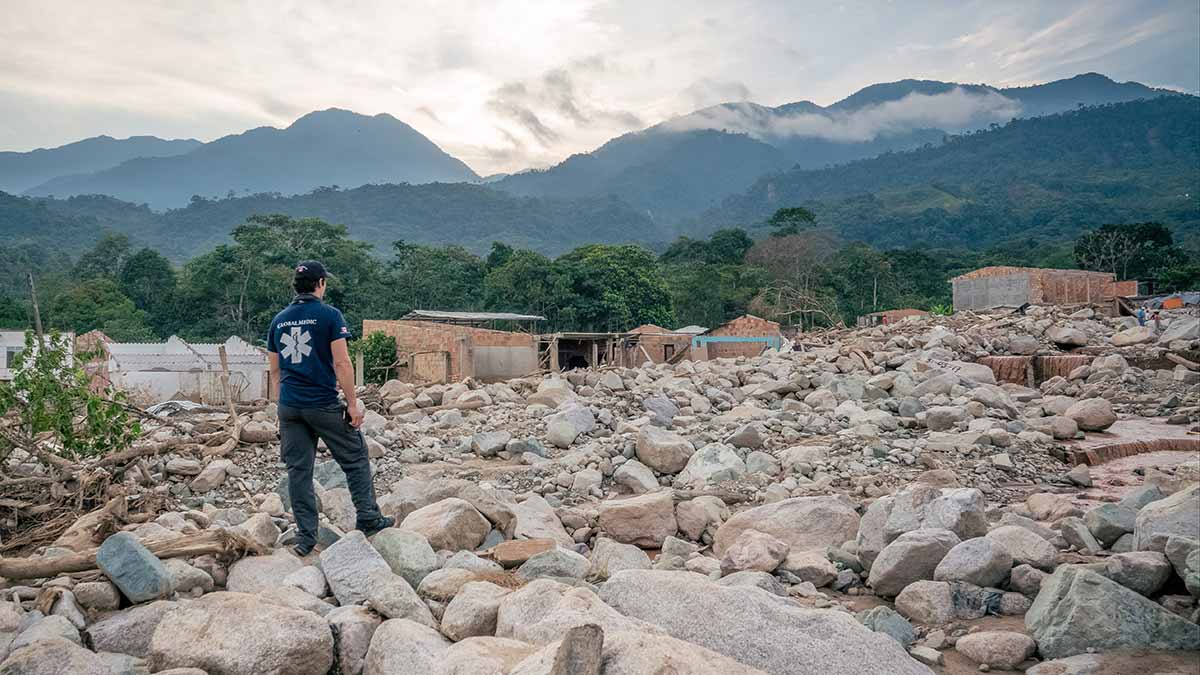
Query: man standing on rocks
x,y
309,361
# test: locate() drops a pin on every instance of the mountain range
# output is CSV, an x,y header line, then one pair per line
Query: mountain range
x,y
325,148
893,164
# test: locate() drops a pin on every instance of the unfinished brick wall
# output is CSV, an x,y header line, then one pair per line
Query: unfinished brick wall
x,y
660,343
425,336
747,325
1000,286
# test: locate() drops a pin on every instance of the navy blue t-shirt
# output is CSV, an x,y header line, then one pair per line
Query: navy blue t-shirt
x,y
301,335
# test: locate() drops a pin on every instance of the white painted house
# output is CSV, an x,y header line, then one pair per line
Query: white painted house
x,y
12,342
152,372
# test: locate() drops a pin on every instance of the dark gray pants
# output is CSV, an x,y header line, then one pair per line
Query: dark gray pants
x,y
299,429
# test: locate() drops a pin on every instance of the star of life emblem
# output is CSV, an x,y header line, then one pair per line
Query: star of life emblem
x,y
295,345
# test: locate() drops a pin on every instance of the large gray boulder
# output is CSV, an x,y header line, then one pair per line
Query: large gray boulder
x,y
1143,571
451,524
609,557
403,646
979,561
634,653
54,656
960,510
543,611
536,519
348,565
643,520
1078,609
484,656
239,634
473,611
134,569
755,627
407,553
662,450
1108,522
1025,546
1092,414
1178,514
804,523
353,627
914,556
713,463
255,574
129,631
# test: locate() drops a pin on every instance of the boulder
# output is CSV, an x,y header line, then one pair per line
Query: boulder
x,y
811,566
1108,522
1143,571
635,477
979,561
936,603
451,524
133,568
755,627
750,435
1048,506
942,418
634,653
489,443
255,574
1026,580
663,451
555,563
473,611
1138,498
54,656
1077,534
1177,549
884,619
348,565
1178,514
1025,547
403,646
1133,336
914,556
129,631
1092,414
391,596
699,515
536,519
1078,610
609,557
1065,336
713,463
406,553
997,648
238,634
353,627
484,656
543,610
804,523
1180,328
754,550
643,520
766,582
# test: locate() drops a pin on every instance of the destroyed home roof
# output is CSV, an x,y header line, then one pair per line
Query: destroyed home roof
x,y
432,315
692,330
1001,270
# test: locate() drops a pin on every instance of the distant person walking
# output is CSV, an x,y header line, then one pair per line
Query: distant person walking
x,y
1157,322
1141,315
309,361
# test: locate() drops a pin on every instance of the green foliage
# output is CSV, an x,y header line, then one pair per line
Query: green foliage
x,y
941,310
1129,250
614,288
435,278
50,393
105,260
98,303
790,220
13,313
379,353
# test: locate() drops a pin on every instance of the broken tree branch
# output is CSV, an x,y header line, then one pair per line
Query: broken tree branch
x,y
208,542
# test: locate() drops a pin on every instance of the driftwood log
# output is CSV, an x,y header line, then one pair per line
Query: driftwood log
x,y
209,542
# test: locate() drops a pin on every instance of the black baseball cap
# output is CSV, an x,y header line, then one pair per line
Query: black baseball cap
x,y
310,270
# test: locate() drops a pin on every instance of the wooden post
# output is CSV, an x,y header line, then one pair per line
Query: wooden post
x,y
595,354
234,421
359,376
37,314
554,355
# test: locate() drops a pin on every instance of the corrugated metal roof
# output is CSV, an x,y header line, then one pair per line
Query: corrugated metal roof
x,y
431,315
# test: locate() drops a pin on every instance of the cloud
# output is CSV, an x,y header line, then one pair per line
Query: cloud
x,y
706,91
952,110
560,97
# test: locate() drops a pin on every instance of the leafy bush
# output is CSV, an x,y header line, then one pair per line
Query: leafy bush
x,y
379,352
941,310
51,393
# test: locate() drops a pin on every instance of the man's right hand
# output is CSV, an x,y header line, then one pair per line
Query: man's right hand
x,y
355,410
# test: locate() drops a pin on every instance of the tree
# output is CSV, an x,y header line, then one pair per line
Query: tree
x,y
864,279
105,260
499,254
528,282
379,353
98,304
728,246
790,220
424,277
149,281
1128,250
614,288
13,314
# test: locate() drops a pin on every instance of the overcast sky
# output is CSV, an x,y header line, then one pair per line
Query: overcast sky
x,y
508,85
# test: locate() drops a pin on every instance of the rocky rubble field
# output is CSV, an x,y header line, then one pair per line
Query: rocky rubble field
x,y
873,502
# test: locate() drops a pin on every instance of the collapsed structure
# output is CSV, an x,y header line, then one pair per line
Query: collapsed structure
x,y
1002,286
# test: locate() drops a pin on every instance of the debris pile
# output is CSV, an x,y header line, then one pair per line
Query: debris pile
x,y
869,501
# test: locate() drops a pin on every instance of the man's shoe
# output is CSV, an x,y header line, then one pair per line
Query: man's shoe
x,y
303,550
374,528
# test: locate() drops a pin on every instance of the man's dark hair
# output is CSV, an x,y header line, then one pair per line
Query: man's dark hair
x,y
304,284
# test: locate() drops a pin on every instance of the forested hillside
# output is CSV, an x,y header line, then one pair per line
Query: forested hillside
x,y
1046,177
